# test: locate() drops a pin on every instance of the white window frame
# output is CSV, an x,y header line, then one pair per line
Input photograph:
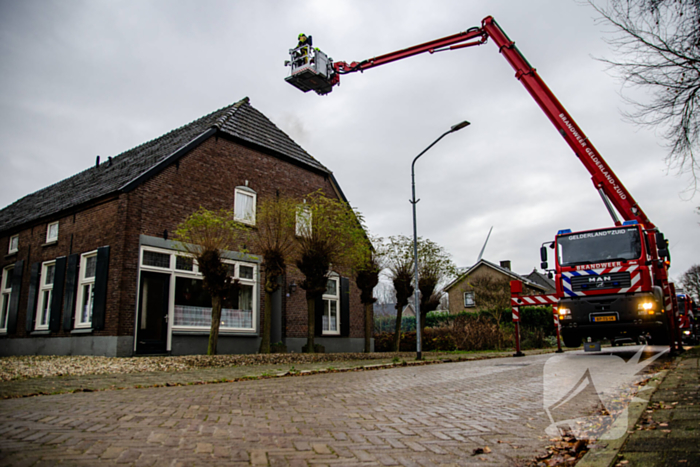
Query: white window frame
x,y
45,295
250,217
469,293
196,274
303,224
327,300
5,295
13,244
84,282
49,237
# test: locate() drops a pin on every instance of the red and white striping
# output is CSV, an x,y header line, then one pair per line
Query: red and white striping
x,y
633,270
533,300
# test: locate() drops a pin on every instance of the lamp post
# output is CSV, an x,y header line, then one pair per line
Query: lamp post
x,y
413,201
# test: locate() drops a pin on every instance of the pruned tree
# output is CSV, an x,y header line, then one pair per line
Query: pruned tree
x,y
327,233
658,42
399,262
206,235
690,280
273,239
369,262
435,269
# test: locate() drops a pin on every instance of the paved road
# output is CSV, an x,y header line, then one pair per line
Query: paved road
x,y
428,415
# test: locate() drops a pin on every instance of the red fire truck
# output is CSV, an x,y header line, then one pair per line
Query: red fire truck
x,y
688,319
611,282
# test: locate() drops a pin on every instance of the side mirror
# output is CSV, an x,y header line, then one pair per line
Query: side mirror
x,y
543,254
662,245
544,265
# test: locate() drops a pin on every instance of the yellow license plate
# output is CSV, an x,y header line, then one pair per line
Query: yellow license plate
x,y
604,318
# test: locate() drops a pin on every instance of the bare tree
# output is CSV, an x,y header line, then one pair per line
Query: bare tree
x,y
659,46
690,280
435,268
400,266
368,265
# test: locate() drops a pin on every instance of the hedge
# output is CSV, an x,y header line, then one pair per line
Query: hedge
x,y
535,317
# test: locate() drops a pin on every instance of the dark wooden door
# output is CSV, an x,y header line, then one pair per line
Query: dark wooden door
x,y
152,322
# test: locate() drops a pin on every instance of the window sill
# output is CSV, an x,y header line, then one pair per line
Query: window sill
x,y
10,255
51,243
82,331
194,332
40,332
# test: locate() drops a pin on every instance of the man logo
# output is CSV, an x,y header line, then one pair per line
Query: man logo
x,y
573,383
599,279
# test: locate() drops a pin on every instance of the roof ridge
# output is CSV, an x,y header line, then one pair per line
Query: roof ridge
x,y
224,118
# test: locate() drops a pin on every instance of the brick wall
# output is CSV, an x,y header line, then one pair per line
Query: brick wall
x,y
205,177
208,177
79,232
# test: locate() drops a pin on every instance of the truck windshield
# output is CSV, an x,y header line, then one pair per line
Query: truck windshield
x,y
599,246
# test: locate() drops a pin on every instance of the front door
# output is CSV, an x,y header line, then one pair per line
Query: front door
x,y
152,322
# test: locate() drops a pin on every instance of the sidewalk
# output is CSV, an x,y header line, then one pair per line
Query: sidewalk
x,y
27,387
666,430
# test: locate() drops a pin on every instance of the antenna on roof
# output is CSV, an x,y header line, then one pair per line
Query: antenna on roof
x,y
484,247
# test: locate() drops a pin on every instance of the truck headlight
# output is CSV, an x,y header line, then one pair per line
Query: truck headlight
x,y
687,333
646,307
564,311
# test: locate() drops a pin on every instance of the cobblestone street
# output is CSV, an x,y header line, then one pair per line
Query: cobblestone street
x,y
425,415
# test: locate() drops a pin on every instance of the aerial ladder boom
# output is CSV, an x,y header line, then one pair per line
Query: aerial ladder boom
x,y
604,179
312,70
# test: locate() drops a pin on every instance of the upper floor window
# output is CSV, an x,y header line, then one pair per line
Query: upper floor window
x,y
469,299
244,205
52,232
86,290
5,293
331,307
45,294
13,245
303,221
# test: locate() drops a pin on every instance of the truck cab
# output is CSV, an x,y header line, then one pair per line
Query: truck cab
x,y
606,285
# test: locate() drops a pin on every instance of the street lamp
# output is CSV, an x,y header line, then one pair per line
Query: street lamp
x,y
413,201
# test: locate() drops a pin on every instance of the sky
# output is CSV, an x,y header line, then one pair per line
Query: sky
x,y
87,78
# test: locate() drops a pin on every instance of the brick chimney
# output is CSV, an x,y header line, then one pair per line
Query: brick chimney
x,y
505,264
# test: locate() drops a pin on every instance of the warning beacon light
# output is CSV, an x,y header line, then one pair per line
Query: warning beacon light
x,y
312,70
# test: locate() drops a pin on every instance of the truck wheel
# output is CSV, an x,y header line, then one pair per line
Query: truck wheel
x,y
571,340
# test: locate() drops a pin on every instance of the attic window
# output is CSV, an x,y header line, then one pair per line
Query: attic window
x,y
52,232
244,205
14,244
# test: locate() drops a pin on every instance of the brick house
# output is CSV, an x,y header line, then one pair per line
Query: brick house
x,y
463,293
89,266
